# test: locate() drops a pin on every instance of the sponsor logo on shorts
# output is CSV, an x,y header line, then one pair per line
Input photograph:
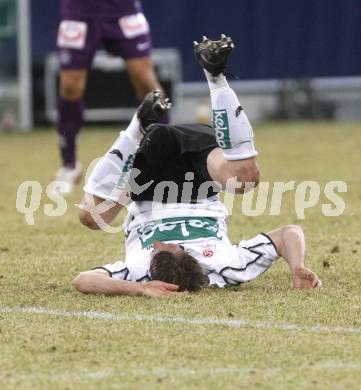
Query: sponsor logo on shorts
x,y
72,34
133,26
221,127
179,229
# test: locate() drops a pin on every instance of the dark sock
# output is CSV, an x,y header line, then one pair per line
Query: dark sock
x,y
70,121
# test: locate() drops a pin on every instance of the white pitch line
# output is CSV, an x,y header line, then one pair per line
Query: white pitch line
x,y
231,323
124,372
168,371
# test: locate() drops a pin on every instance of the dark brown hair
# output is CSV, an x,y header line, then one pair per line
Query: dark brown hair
x,y
179,268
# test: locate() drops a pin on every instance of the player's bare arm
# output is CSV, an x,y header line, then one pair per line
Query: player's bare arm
x,y
171,272
98,281
290,244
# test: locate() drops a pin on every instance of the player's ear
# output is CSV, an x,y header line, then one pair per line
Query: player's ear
x,y
157,245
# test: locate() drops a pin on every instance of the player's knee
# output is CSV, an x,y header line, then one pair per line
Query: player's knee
x,y
248,174
71,91
87,220
251,175
72,87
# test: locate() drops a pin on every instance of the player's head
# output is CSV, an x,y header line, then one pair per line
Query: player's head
x,y
171,264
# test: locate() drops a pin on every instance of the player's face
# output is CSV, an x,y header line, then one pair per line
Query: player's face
x,y
161,246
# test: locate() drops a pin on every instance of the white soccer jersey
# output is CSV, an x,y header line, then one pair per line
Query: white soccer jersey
x,y
201,229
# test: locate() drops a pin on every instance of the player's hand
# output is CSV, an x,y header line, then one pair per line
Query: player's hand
x,y
304,278
157,288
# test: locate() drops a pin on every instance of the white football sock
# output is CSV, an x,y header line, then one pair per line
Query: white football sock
x,y
110,177
234,133
216,82
133,130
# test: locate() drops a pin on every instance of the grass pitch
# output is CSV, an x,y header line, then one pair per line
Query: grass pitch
x,y
262,335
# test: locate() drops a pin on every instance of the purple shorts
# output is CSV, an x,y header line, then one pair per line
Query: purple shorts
x,y
79,37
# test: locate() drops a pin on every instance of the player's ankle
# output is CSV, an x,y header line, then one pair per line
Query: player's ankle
x,y
215,82
133,130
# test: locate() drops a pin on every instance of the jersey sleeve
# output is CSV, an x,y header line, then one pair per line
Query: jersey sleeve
x,y
255,256
117,270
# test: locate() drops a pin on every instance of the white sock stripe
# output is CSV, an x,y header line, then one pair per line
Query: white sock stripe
x,y
133,130
232,323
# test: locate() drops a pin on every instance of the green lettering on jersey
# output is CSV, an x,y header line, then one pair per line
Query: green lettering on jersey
x,y
178,229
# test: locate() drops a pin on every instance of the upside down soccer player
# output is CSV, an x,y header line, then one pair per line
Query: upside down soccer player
x,y
176,240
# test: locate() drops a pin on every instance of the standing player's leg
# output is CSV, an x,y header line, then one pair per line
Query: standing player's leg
x,y
142,74
76,43
234,134
129,37
144,79
70,119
